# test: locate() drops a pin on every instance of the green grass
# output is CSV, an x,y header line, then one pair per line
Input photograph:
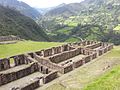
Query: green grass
x,y
72,39
109,81
117,28
66,30
71,23
24,47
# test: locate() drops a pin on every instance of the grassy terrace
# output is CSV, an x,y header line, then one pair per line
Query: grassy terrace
x,y
24,47
111,79
117,28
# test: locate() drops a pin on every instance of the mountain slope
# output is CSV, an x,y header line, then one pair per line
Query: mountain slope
x,y
22,7
90,19
84,6
65,10
14,23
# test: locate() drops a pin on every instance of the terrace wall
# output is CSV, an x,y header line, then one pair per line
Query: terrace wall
x,y
11,76
4,64
8,38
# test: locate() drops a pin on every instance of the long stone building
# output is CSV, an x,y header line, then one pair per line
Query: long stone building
x,y
40,67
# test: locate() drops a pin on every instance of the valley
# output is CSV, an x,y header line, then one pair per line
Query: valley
x,y
94,20
71,45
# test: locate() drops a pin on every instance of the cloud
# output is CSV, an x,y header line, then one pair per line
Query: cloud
x,y
47,3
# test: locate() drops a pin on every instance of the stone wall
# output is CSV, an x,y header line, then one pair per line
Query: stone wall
x,y
93,46
11,76
57,50
78,63
51,76
4,64
46,62
87,58
19,60
67,68
8,38
43,69
65,55
33,84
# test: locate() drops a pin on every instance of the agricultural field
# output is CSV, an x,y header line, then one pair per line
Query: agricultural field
x,y
72,39
117,28
102,73
66,30
24,47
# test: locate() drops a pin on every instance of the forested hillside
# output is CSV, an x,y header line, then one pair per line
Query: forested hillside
x,y
22,7
90,19
14,23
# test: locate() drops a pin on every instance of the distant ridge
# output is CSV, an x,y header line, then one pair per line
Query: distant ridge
x,y
22,7
14,23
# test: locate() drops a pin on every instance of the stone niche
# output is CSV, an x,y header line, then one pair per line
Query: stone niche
x,y
43,69
19,59
47,52
4,64
57,50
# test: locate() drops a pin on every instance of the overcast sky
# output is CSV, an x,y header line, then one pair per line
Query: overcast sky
x,y
48,3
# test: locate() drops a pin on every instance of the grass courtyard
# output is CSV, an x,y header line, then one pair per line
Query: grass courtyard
x,y
24,47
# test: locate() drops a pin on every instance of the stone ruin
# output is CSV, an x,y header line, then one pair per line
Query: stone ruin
x,y
9,39
45,65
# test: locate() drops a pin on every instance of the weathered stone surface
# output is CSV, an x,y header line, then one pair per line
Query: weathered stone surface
x,y
68,68
19,60
4,64
79,63
33,84
8,38
51,76
11,76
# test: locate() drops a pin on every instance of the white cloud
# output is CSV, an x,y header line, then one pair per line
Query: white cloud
x,y
47,3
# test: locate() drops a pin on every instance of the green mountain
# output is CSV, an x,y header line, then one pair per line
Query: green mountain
x,y
14,23
90,19
22,7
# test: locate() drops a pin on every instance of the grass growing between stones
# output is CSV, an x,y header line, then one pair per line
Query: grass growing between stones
x,y
93,75
24,47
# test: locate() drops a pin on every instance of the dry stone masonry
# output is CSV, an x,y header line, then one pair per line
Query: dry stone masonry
x,y
8,38
47,63
11,39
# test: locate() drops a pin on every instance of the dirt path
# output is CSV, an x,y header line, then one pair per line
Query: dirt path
x,y
81,76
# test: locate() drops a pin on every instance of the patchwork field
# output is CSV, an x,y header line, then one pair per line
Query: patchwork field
x,y
24,47
102,73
